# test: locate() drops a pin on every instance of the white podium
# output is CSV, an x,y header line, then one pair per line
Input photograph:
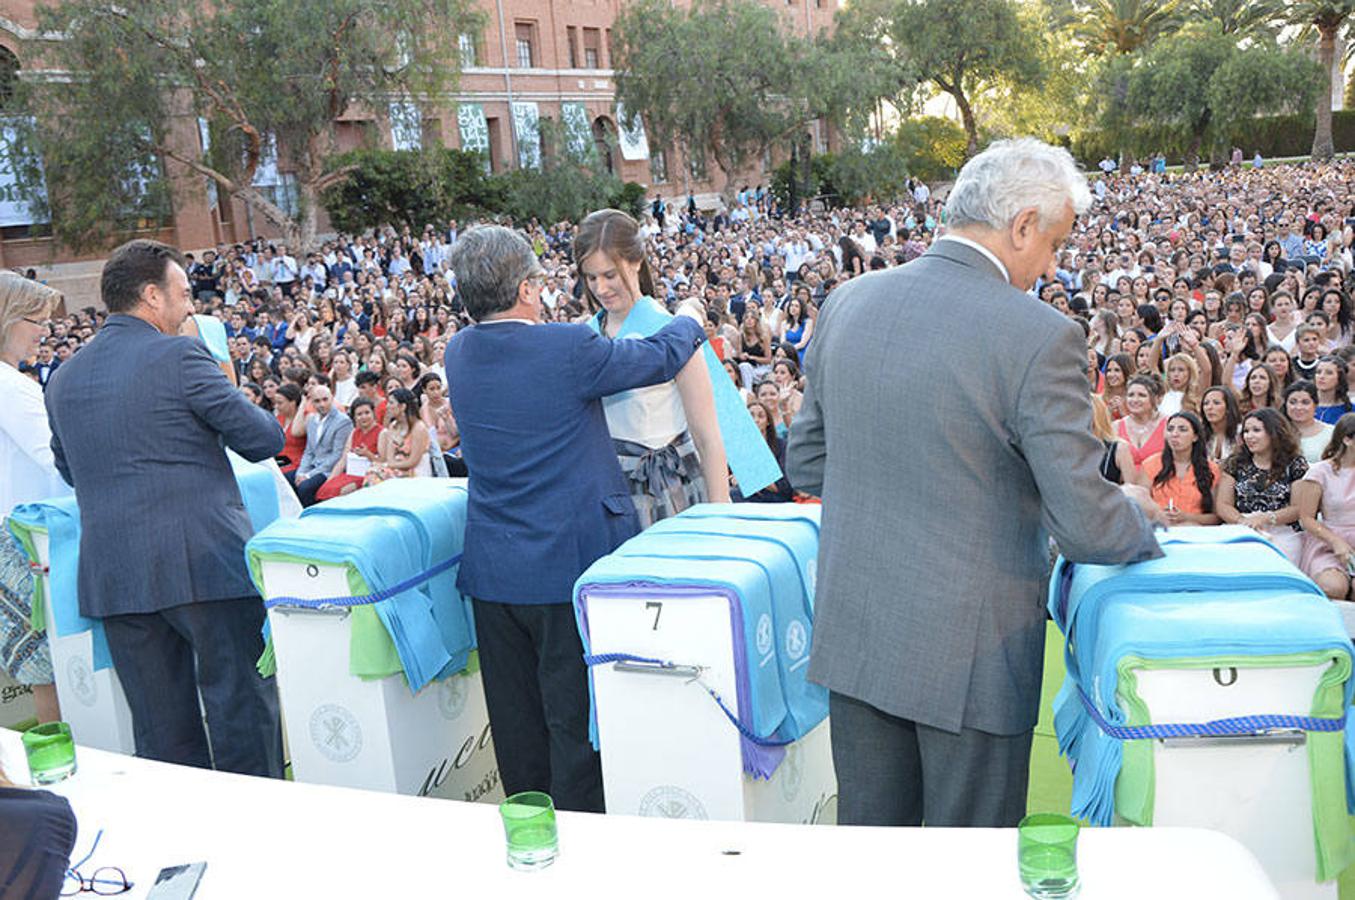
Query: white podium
x,y
667,749
91,701
346,731
1254,789
16,702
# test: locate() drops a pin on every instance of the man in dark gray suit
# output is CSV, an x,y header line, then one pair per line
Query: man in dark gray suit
x,y
946,425
139,419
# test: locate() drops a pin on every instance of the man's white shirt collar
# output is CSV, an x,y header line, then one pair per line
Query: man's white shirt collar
x,y
1006,276
496,321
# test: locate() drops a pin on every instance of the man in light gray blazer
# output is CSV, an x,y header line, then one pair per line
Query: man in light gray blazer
x,y
947,427
327,432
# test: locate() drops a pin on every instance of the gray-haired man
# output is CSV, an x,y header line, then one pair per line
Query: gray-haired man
x,y
548,498
929,627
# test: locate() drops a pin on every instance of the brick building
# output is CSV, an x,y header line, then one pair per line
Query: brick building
x,y
533,60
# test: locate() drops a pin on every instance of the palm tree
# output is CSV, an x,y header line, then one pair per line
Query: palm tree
x,y
1241,17
1328,17
1115,27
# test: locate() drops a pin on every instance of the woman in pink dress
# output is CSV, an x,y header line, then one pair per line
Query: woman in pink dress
x,y
1329,488
1143,428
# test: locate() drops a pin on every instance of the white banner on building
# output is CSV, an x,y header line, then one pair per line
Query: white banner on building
x,y
634,144
205,135
470,122
578,130
14,208
406,125
527,130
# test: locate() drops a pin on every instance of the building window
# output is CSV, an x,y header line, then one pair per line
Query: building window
x,y
9,76
608,35
285,194
469,46
658,167
696,163
572,41
592,43
522,32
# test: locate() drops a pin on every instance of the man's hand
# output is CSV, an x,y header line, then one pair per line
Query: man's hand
x,y
694,310
1144,500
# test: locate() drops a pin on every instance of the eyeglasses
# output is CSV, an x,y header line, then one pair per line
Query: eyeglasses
x,y
107,881
36,322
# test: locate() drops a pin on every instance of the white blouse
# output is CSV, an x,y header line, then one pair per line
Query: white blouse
x,y
27,470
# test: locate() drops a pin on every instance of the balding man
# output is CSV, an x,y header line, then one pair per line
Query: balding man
x,y
327,431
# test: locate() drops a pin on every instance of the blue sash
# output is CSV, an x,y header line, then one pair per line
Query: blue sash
x,y
749,457
436,509
213,333
60,517
1217,592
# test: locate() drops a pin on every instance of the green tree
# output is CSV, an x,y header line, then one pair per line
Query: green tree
x,y
933,148
1111,27
1199,90
410,187
722,76
1327,17
1257,18
260,74
962,47
568,185
1049,109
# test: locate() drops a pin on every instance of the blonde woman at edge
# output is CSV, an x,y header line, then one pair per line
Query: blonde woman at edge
x,y
667,436
27,474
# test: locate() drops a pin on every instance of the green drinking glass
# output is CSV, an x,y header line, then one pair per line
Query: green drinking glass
x,y
529,825
50,751
1047,855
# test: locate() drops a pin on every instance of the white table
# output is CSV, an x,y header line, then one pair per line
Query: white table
x,y
267,839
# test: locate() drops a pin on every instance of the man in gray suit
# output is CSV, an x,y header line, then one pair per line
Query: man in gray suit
x,y
139,419
327,433
946,425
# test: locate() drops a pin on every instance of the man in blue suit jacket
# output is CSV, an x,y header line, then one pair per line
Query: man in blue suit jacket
x,y
139,419
547,498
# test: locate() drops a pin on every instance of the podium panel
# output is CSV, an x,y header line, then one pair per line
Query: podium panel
x,y
352,732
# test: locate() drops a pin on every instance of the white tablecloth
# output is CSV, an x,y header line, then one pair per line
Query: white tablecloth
x,y
275,839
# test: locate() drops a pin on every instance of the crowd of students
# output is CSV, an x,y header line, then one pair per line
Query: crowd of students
x,y
1219,333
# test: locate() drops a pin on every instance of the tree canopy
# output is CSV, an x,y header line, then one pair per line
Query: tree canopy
x,y
153,81
723,78
1198,90
963,47
1327,18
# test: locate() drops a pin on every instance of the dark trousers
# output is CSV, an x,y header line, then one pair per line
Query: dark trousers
x,y
306,487
893,771
536,688
166,659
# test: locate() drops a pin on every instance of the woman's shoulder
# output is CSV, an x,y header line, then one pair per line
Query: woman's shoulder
x,y
1320,471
